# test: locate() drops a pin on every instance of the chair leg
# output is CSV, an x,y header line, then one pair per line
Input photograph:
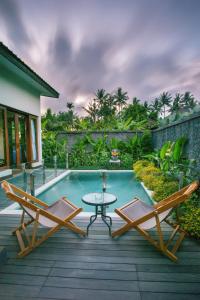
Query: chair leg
x,y
178,242
182,234
158,245
33,242
22,224
36,242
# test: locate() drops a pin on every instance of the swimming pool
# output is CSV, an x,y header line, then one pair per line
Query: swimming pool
x,y
75,185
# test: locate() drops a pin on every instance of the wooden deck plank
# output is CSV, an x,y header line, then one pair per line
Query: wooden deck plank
x,y
167,287
93,274
93,284
168,296
83,294
18,290
97,267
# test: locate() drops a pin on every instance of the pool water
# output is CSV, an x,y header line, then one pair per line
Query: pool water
x,y
75,185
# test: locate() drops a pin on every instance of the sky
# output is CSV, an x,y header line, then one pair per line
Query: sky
x,y
78,46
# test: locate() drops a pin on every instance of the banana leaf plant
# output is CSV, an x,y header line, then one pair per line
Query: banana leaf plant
x,y
170,156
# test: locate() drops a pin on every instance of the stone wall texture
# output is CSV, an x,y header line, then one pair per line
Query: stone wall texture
x,y
189,128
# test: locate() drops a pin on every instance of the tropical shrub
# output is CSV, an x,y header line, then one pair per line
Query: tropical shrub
x,y
164,190
152,181
126,161
149,170
190,220
88,152
155,180
170,158
139,165
52,147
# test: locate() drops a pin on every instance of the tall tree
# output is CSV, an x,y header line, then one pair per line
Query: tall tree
x,y
70,113
100,97
121,98
188,100
146,106
93,110
156,106
165,100
176,104
70,106
135,100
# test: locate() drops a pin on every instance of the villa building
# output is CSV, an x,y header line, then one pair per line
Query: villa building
x,y
20,117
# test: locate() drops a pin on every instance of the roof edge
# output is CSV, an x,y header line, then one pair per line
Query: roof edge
x,y
13,58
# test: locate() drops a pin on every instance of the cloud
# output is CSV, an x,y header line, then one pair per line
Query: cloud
x,y
144,46
12,19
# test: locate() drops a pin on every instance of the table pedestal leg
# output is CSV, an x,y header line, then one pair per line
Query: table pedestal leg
x,y
102,213
104,217
92,219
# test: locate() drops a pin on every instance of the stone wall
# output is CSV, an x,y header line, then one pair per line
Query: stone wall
x,y
189,128
72,137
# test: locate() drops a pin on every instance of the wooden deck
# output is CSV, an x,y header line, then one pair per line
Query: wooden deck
x,y
97,267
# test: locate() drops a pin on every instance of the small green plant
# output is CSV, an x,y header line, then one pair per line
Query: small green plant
x,y
139,166
190,220
164,190
155,180
149,170
152,181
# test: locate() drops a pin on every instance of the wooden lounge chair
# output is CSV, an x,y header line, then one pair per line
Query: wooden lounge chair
x,y
141,216
53,217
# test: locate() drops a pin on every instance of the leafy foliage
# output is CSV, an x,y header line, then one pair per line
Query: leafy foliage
x,y
52,147
97,153
155,180
190,220
158,174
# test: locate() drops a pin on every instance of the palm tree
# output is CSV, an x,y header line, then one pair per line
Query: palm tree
x,y
93,110
100,97
70,106
176,104
121,98
146,105
188,101
135,100
165,99
156,106
70,114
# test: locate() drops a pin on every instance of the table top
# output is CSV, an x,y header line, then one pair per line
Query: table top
x,y
99,199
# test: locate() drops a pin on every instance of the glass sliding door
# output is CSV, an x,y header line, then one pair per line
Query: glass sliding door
x,y
17,137
34,139
2,138
12,138
22,138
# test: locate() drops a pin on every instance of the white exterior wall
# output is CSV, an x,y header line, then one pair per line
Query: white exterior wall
x,y
23,98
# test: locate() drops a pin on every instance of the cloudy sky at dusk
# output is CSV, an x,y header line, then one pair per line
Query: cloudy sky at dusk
x,y
144,46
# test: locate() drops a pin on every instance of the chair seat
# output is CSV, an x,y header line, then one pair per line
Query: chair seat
x,y
138,209
60,209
